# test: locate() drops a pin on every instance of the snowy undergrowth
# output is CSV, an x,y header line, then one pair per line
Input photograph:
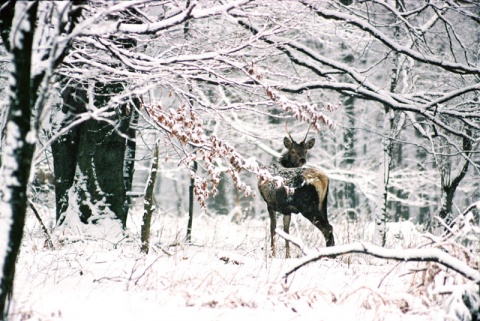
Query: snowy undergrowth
x,y
98,273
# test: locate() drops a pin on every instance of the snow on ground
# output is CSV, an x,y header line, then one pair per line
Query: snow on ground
x,y
225,275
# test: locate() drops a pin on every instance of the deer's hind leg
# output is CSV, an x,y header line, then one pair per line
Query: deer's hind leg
x,y
321,222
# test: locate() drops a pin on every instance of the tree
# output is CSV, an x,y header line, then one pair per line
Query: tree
x,y
32,70
93,160
149,203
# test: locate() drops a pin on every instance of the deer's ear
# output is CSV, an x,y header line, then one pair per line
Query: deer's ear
x,y
310,143
287,143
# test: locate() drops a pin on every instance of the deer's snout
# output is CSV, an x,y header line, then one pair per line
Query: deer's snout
x,y
302,161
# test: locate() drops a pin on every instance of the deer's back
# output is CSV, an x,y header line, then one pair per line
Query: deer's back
x,y
306,188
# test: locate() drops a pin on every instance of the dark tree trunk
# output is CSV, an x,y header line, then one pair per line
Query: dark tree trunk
x,y
100,164
191,203
18,152
90,159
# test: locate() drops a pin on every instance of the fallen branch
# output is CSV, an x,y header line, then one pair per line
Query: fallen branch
x,y
414,255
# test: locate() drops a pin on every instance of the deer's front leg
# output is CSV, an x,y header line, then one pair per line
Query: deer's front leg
x,y
286,228
273,226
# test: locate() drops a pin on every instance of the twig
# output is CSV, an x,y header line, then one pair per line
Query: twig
x,y
449,231
49,242
295,240
146,269
447,227
471,208
387,274
163,250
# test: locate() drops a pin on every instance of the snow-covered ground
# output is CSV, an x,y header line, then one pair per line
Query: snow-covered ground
x,y
99,274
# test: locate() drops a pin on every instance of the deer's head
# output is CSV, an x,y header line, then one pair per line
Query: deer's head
x,y
296,155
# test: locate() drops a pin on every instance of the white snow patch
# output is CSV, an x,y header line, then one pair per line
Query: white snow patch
x,y
31,137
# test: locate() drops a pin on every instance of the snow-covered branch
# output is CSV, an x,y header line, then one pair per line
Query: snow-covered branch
x,y
359,84
414,255
389,42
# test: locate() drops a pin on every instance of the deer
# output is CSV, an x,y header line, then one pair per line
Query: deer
x,y
305,191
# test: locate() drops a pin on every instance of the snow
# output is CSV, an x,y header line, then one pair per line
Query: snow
x,y
226,274
21,21
31,137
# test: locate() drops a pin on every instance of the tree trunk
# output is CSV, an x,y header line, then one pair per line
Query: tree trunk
x,y
90,160
130,152
149,202
27,91
381,214
191,203
65,149
450,179
220,204
389,131
18,152
349,158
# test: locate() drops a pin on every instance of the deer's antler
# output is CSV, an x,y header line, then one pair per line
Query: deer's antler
x,y
308,130
286,129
